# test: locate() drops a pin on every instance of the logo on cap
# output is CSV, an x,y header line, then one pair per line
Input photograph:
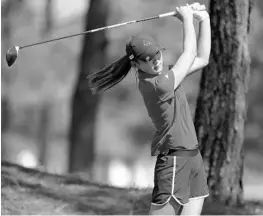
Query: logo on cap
x,y
146,43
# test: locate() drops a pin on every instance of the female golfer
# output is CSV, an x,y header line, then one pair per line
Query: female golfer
x,y
179,179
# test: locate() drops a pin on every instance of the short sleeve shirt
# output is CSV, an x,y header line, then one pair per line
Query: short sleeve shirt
x,y
169,112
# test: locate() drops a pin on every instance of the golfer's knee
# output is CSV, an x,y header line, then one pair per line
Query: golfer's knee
x,y
193,207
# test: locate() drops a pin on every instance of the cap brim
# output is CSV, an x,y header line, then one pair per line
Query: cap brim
x,y
150,53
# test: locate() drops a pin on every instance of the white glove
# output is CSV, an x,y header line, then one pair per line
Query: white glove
x,y
198,11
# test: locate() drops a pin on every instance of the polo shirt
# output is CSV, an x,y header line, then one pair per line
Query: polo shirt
x,y
169,112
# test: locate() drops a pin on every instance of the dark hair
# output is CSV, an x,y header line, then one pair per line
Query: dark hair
x,y
110,75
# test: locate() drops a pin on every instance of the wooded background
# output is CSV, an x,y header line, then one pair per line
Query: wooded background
x,y
49,115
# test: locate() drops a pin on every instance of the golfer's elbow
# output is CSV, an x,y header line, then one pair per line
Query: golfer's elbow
x,y
204,58
205,62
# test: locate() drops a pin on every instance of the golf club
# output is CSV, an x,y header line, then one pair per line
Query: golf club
x,y
12,53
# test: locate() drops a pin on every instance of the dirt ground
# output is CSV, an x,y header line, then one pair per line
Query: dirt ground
x,y
28,191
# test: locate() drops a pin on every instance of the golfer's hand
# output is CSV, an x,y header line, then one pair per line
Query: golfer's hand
x,y
184,13
198,12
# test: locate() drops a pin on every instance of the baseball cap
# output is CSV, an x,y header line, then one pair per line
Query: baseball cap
x,y
142,47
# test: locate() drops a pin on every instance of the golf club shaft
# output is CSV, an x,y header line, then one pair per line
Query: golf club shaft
x,y
102,28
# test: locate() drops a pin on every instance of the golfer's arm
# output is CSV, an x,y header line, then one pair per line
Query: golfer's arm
x,y
185,61
203,47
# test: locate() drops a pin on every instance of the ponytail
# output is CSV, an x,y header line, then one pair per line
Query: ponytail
x,y
110,75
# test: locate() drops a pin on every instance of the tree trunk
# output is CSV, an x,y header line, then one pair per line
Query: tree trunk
x,y
8,8
85,105
44,122
48,18
43,135
221,106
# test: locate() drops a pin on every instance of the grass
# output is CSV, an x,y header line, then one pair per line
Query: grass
x,y
29,191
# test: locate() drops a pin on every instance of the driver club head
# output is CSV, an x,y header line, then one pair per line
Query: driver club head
x,y
11,55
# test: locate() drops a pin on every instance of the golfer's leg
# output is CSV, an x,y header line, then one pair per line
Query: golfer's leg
x,y
193,207
171,208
